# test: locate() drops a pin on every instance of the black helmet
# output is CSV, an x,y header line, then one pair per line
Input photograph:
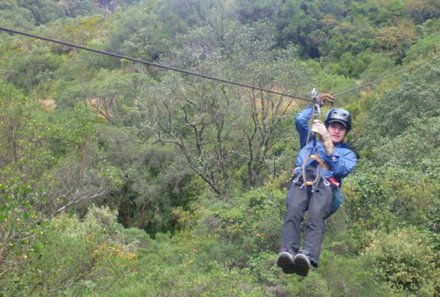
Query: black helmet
x,y
338,115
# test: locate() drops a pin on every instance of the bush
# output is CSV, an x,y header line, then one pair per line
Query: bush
x,y
366,205
78,257
349,276
404,260
20,228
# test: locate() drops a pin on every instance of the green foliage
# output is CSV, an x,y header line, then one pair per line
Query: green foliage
x,y
387,197
137,35
353,66
202,167
403,259
367,205
423,10
43,11
350,276
155,186
82,173
186,279
413,99
377,66
252,11
76,257
385,12
348,38
180,16
25,154
427,44
21,226
253,221
396,40
14,115
202,124
407,148
81,30
414,196
29,66
13,16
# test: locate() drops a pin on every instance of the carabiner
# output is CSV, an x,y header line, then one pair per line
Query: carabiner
x,y
316,107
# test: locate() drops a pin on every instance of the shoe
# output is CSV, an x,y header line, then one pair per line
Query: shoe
x,y
285,261
301,263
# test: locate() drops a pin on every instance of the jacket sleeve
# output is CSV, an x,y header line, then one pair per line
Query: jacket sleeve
x,y
302,124
341,163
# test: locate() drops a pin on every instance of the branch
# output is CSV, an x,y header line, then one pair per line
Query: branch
x,y
74,200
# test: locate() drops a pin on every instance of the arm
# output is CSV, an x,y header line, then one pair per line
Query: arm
x,y
302,120
341,163
302,124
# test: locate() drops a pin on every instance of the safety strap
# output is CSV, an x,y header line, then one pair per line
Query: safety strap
x,y
318,173
317,159
316,112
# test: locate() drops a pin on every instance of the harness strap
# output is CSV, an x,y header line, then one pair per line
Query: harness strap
x,y
317,159
318,174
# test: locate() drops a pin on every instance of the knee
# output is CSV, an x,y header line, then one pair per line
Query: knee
x,y
295,212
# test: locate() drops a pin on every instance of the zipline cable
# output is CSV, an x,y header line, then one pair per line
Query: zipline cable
x,y
386,76
151,63
204,75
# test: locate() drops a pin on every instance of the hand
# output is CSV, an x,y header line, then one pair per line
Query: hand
x,y
325,97
319,128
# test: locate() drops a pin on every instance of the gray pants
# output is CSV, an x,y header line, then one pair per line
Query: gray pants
x,y
317,203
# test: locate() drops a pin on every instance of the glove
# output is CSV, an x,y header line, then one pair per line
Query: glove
x,y
319,128
325,97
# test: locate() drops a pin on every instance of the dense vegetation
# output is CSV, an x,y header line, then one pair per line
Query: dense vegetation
x,y
121,179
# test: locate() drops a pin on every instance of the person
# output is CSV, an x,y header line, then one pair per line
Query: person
x,y
315,186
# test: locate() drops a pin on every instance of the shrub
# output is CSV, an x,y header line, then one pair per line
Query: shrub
x,y
79,256
20,228
404,260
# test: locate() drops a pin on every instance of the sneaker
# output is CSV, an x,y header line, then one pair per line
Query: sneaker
x,y
302,264
285,261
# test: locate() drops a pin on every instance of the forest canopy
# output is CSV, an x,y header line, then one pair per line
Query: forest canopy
x,y
125,179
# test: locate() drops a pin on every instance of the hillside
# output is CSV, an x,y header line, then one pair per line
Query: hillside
x,y
128,179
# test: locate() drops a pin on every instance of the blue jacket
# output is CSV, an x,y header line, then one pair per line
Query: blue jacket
x,y
340,163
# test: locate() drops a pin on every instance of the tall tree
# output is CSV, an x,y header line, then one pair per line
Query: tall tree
x,y
209,121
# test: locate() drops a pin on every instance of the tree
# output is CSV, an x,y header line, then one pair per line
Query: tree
x,y
82,174
422,10
347,38
14,119
403,260
139,33
396,40
13,15
413,98
20,227
209,122
43,11
253,11
196,124
78,257
30,68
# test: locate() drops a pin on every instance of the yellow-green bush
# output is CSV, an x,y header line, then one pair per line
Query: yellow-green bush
x,y
77,257
405,260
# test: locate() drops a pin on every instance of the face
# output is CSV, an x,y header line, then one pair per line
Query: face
x,y
337,132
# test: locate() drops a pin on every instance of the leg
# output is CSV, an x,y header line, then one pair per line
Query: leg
x,y
319,204
296,204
